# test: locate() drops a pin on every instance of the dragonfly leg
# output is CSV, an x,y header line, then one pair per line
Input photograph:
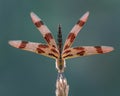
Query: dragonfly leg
x,y
60,76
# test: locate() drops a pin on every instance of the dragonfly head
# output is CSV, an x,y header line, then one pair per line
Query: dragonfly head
x,y
60,65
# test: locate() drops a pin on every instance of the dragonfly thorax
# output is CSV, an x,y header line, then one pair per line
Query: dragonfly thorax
x,y
60,65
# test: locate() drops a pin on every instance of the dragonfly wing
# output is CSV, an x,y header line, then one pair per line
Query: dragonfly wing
x,y
85,51
75,30
39,48
43,29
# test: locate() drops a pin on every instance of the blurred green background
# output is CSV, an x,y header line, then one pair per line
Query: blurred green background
x,y
27,74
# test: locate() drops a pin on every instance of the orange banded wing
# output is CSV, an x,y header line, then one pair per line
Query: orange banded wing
x,y
43,29
73,33
36,48
85,51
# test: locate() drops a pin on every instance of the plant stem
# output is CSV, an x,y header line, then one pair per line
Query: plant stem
x,y
62,88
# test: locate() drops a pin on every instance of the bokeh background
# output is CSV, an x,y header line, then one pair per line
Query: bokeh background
x,y
27,74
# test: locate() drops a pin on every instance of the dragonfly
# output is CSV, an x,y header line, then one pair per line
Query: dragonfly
x,y
58,51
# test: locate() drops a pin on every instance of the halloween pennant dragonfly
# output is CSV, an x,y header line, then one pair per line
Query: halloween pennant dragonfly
x,y
59,51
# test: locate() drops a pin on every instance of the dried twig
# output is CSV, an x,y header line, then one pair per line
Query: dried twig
x,y
62,88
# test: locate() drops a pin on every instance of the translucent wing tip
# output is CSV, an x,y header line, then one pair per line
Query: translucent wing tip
x,y
85,16
14,43
34,17
107,49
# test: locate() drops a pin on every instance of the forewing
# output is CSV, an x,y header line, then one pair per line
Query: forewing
x,y
39,48
85,51
43,29
73,33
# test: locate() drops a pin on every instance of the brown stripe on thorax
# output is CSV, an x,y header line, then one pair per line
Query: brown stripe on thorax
x,y
39,24
48,37
80,23
98,49
23,44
